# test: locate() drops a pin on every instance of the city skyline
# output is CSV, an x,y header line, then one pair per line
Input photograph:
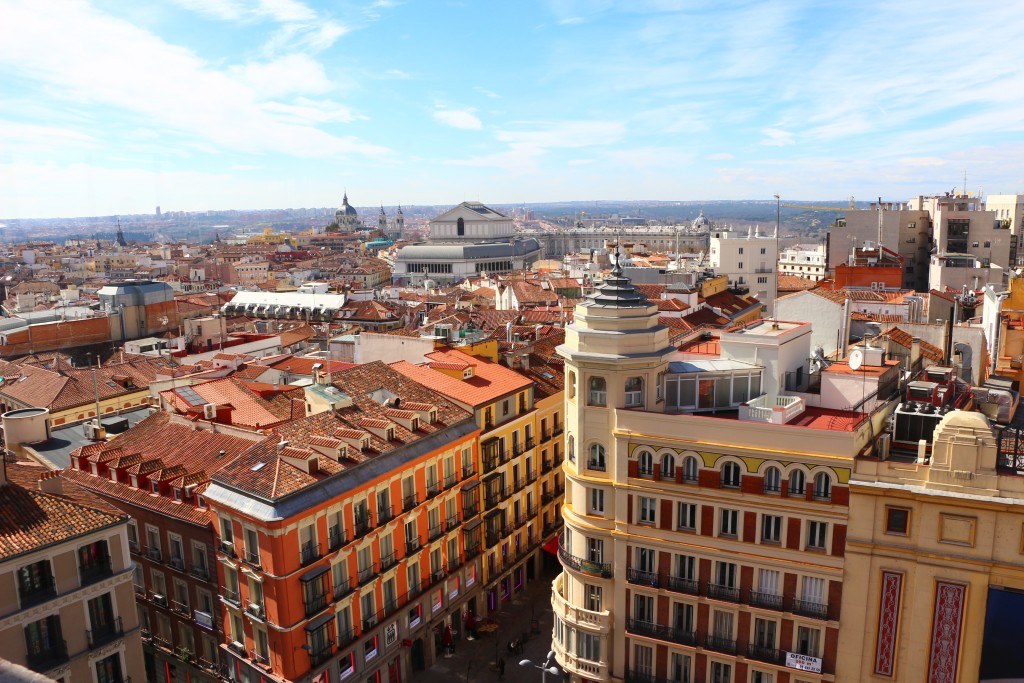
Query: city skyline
x,y
219,104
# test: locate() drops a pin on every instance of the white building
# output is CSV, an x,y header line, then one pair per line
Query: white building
x,y
804,260
749,260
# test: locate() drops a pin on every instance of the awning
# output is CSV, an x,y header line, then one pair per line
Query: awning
x,y
470,485
552,546
319,621
315,572
469,526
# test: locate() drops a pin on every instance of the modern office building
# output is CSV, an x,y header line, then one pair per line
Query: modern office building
x,y
706,498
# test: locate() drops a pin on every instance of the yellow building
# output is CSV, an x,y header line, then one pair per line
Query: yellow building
x,y
705,506
67,608
268,236
934,573
520,448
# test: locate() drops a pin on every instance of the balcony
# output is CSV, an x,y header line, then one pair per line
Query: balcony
x,y
452,523
387,561
385,515
777,410
591,619
315,604
176,563
546,497
95,571
764,653
491,500
433,488
200,571
678,636
228,548
309,552
640,578
252,558
435,532
718,591
155,554
410,502
336,538
362,525
720,644
470,510
45,659
343,588
450,481
322,654
180,607
530,443
579,564
557,431
545,436
814,610
46,590
472,550
677,584
232,597
366,575
520,484
545,467
257,610
412,545
765,600
105,633
468,471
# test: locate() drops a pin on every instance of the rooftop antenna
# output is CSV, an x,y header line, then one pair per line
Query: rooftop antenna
x,y
879,228
965,182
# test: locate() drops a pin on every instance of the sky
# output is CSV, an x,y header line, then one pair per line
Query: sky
x,y
110,107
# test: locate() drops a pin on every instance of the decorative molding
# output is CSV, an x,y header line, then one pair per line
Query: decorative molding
x,y
888,623
946,627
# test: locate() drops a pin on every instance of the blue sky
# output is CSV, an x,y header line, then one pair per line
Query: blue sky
x,y
112,107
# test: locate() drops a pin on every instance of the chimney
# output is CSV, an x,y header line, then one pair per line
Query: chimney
x,y
51,482
915,352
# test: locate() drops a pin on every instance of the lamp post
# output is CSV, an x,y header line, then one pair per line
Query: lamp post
x,y
548,667
778,225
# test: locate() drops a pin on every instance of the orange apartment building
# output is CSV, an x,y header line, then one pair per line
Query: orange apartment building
x,y
349,539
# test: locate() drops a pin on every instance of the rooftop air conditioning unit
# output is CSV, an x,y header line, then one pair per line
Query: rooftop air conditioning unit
x,y
210,411
160,599
237,647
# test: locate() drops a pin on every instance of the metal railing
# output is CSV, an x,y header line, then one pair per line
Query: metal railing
x,y
720,644
722,592
96,570
46,590
335,537
47,658
315,603
765,653
602,569
309,552
815,610
343,588
642,578
103,634
388,560
765,600
412,545
321,655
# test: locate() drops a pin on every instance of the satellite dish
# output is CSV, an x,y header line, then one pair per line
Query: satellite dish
x,y
856,359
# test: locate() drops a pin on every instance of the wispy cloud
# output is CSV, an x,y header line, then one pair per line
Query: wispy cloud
x,y
463,119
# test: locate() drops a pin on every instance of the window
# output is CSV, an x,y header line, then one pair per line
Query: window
x,y
771,529
761,677
816,532
668,466
588,646
598,391
643,660
570,447
731,475
796,483
647,509
772,480
741,250
35,583
679,668
634,392
596,461
645,464
768,581
690,469
813,590
687,516
764,633
682,616
822,486
763,251
897,520
660,388
729,522
593,597
596,501
460,227
646,560
725,574
595,550
571,384
643,608
721,672
808,641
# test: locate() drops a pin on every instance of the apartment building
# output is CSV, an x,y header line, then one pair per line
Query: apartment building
x,y
933,584
750,261
807,261
706,499
520,444
157,472
66,603
349,540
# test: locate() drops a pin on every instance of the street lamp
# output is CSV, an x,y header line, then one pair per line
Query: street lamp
x,y
548,667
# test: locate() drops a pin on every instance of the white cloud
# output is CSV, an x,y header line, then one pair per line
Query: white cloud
x,y
777,137
488,93
160,85
720,156
464,119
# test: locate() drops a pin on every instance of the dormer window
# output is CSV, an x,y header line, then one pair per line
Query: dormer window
x,y
415,424
433,416
200,502
390,433
177,494
134,480
155,486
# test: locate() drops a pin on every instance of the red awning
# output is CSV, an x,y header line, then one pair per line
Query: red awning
x,y
552,546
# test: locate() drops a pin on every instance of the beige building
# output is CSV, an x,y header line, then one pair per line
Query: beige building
x,y
935,562
66,603
706,500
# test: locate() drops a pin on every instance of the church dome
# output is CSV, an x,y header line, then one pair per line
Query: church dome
x,y
700,221
346,209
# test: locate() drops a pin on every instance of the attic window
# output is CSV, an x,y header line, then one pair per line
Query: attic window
x,y
433,416
134,480
111,384
200,502
391,433
415,424
258,466
177,494
155,486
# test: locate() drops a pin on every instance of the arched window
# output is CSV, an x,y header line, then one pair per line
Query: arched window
x,y
690,467
634,392
731,475
772,480
822,486
572,384
596,461
796,482
571,448
461,227
646,466
668,466
598,391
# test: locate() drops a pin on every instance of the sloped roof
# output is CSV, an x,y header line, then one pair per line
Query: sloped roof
x,y
490,381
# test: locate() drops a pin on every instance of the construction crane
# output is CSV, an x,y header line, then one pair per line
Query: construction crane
x,y
818,207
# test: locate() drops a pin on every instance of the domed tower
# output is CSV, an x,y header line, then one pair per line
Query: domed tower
x,y
700,222
616,354
346,216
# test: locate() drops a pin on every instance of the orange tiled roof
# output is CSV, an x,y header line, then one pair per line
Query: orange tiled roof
x,y
489,382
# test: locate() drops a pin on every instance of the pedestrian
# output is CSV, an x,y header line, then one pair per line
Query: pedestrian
x,y
501,668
